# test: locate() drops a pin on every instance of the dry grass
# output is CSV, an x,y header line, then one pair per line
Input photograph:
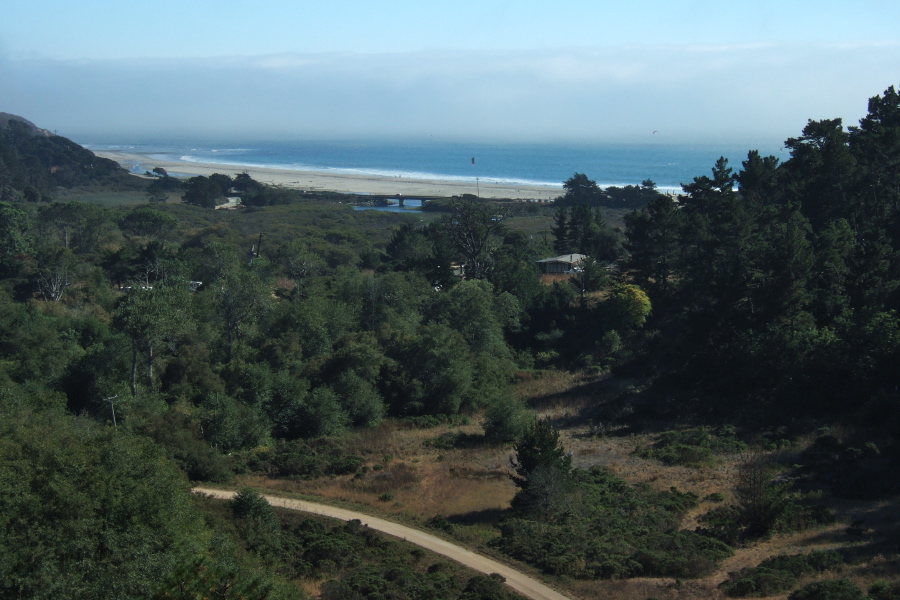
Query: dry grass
x,y
421,481
470,486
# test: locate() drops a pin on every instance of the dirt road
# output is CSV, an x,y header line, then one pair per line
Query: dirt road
x,y
518,581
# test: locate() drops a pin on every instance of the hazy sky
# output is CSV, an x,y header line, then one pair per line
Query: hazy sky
x,y
691,70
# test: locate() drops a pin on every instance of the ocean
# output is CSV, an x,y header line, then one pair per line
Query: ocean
x,y
619,164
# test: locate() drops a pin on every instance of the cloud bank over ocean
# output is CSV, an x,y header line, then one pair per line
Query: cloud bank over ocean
x,y
686,93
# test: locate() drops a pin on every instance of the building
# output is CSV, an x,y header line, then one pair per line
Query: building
x,y
567,263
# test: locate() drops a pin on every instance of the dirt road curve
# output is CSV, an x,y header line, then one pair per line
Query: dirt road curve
x,y
518,581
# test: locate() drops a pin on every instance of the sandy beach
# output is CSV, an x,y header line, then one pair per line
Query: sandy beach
x,y
341,182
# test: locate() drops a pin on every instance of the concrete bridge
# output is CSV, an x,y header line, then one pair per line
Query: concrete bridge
x,y
384,200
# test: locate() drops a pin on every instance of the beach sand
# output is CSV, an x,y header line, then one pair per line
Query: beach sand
x,y
341,182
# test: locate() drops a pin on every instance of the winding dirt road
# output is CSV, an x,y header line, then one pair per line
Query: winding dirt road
x,y
520,582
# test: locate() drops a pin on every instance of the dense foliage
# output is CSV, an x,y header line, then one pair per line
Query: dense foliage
x,y
86,513
780,280
220,342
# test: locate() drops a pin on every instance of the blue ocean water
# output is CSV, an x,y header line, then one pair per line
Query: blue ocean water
x,y
668,165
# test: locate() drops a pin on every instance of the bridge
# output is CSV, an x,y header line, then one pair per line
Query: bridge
x,y
385,200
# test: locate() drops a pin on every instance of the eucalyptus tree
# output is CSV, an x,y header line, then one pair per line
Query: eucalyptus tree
x,y
242,297
153,319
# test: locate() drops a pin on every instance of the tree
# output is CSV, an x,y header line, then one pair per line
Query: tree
x,y
472,309
256,520
14,232
718,231
761,500
55,273
201,191
152,318
588,233
875,144
821,172
581,190
148,222
543,472
88,512
242,297
758,180
785,268
473,228
628,306
298,263
560,231
539,447
75,225
653,242
429,373
835,246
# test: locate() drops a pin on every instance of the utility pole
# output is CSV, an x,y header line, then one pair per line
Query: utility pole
x,y
112,408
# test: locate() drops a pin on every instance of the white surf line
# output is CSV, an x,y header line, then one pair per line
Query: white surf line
x,y
517,580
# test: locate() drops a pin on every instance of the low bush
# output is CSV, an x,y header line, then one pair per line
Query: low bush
x,y
695,446
599,526
779,574
835,589
883,590
301,459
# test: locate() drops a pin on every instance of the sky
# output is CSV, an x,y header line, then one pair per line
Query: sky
x,y
689,70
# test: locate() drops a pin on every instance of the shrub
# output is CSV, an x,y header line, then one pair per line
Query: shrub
x,y
816,561
758,582
441,523
592,524
695,446
256,520
779,573
835,589
882,590
304,459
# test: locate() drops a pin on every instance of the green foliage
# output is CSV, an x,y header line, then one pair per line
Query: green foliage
x,y
229,424
695,446
14,236
579,190
836,589
486,587
202,191
763,507
256,521
181,439
88,513
884,590
539,447
596,525
628,306
149,222
302,459
505,420
779,574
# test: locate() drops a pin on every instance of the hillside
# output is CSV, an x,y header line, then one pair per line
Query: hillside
x,y
35,162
